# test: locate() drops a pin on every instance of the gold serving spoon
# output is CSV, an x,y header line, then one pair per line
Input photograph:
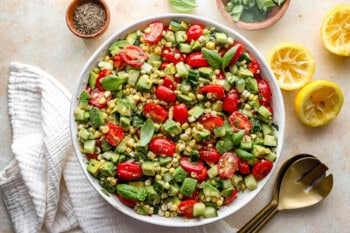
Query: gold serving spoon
x,y
301,182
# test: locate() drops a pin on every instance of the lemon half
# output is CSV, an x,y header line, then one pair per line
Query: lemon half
x,y
335,30
292,64
318,103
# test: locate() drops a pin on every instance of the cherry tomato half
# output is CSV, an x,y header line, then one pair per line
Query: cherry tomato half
x,y
231,197
127,201
264,91
210,155
196,59
261,169
166,94
253,65
239,51
100,76
129,171
96,98
189,166
154,32
210,121
244,168
156,112
172,55
227,165
186,207
91,156
239,121
169,83
202,175
230,103
133,55
162,146
217,91
114,135
118,62
194,32
180,113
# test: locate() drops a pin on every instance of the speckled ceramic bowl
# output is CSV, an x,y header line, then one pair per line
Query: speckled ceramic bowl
x,y
243,198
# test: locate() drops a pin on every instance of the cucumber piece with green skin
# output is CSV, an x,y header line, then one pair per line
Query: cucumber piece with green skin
x,y
84,134
185,48
210,212
172,127
196,112
198,209
188,186
151,194
213,171
250,182
79,114
148,168
221,37
133,77
92,79
164,160
89,146
264,112
96,119
181,70
270,140
205,72
180,174
220,131
251,85
240,85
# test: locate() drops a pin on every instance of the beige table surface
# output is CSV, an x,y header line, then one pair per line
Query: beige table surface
x,y
34,32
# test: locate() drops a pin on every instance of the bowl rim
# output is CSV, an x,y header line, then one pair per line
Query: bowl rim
x,y
224,211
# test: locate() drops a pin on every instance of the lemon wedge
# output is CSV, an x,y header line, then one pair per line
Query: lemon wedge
x,y
292,64
318,103
335,30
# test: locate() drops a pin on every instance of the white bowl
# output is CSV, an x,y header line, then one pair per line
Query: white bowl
x,y
277,104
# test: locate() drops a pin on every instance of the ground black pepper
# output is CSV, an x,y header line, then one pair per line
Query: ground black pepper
x,y
89,18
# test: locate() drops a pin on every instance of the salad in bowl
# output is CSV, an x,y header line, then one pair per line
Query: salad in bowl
x,y
177,121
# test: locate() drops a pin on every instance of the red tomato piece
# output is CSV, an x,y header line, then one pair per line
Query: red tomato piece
x,y
239,121
118,62
133,55
221,75
162,146
239,51
114,135
217,91
253,66
156,112
269,108
231,198
230,103
227,165
186,207
244,168
172,55
202,175
100,76
127,201
169,83
96,97
154,32
261,169
210,121
91,156
193,197
196,59
129,171
164,64
265,95
194,32
210,155
166,94
180,113
189,166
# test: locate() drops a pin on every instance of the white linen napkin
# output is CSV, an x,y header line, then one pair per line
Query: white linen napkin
x,y
43,188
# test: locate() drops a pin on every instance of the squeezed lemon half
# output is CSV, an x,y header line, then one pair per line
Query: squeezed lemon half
x,y
292,64
335,30
318,103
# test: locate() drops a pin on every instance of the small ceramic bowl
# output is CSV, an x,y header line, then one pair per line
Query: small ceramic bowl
x,y
272,17
70,17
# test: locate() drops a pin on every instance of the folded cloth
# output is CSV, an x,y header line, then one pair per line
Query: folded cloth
x,y
43,188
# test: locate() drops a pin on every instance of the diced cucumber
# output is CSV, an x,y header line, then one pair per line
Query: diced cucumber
x,y
84,134
198,209
240,85
180,36
205,72
181,70
267,129
185,48
221,37
271,157
213,171
270,140
174,26
133,77
220,131
250,182
188,186
264,112
210,212
89,146
79,114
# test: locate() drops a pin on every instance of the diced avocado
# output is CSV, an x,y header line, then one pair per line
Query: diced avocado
x,y
217,106
164,160
185,88
251,85
240,85
153,57
170,36
105,145
170,69
226,183
224,145
131,38
267,129
270,140
198,209
117,46
196,45
174,26
107,169
172,127
224,83
201,135
111,156
213,171
260,151
221,37
181,70
227,191
250,182
205,72
236,180
84,134
173,190
121,147
195,112
210,190
125,122
125,106
231,78
244,72
133,76
144,83
271,156
89,146
148,168
79,114
93,167
185,48
188,186
92,79
84,95
210,212
137,184
167,177
180,174
141,210
151,194
96,119
146,67
183,25
83,104
184,98
264,112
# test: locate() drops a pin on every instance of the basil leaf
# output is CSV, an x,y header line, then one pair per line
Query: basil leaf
x,y
127,191
146,133
112,82
142,194
183,5
213,58
228,56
